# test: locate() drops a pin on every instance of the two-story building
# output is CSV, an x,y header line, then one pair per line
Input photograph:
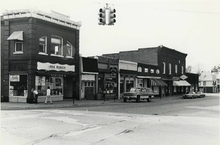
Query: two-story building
x,y
170,62
39,50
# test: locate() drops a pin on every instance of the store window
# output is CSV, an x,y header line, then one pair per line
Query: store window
x,y
18,85
55,84
43,44
18,47
56,45
140,83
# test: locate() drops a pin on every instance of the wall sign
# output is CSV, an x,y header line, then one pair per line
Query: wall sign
x,y
57,67
14,78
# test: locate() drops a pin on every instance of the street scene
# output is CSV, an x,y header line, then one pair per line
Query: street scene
x,y
170,120
96,72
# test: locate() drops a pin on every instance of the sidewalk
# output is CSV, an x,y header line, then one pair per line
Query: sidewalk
x,y
68,103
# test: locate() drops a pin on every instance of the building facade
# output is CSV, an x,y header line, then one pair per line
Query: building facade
x,y
170,65
39,50
209,82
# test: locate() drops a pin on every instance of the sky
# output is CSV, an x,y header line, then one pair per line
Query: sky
x,y
188,26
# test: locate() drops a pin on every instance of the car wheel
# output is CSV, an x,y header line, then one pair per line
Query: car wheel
x,y
138,98
149,99
125,99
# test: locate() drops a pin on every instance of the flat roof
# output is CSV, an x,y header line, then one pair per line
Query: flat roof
x,y
53,17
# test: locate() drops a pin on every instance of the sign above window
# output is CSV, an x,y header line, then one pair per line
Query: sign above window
x,y
56,67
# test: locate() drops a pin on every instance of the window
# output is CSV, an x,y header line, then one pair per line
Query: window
x,y
69,49
146,70
164,67
182,70
56,45
43,44
169,68
152,71
18,85
139,69
55,84
18,47
176,69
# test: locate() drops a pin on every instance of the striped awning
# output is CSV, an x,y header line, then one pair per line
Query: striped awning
x,y
17,35
158,82
181,83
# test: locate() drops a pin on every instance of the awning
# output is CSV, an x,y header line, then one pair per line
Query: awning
x,y
158,82
88,77
17,35
181,83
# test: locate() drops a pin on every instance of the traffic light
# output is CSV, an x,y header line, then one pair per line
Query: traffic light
x,y
112,16
102,18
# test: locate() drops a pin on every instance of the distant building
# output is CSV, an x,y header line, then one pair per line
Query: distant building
x,y
39,50
209,82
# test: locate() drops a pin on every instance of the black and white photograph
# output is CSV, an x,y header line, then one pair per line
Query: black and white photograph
x,y
116,72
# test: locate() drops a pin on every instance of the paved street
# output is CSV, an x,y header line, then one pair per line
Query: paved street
x,y
160,122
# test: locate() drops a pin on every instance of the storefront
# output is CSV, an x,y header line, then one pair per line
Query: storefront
x,y
17,87
59,77
89,78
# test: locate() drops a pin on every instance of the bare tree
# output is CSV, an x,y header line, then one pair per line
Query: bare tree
x,y
189,69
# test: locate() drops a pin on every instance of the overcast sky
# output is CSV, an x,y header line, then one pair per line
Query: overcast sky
x,y
189,26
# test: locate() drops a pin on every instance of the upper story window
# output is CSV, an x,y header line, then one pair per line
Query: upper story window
x,y
139,69
182,69
151,70
176,70
146,70
18,47
56,45
169,68
164,67
43,45
69,49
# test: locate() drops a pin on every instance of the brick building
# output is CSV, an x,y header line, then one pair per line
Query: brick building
x,y
39,50
170,62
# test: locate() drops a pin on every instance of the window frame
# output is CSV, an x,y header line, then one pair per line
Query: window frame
x,y
176,69
44,45
71,49
61,46
164,68
170,68
22,48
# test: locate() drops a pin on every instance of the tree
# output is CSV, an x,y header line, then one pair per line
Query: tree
x,y
189,69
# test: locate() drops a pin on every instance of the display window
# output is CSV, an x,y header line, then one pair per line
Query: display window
x,y
55,84
18,85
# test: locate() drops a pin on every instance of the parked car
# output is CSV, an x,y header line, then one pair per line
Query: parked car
x,y
192,95
138,94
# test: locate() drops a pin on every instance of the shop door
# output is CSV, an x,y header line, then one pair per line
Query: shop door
x,y
68,85
89,95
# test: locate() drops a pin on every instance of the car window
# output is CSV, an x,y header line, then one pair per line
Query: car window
x,y
143,90
132,90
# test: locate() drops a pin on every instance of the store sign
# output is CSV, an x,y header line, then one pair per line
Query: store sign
x,y
14,78
183,77
56,67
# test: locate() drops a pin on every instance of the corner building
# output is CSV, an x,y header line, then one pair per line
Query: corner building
x,y
39,50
